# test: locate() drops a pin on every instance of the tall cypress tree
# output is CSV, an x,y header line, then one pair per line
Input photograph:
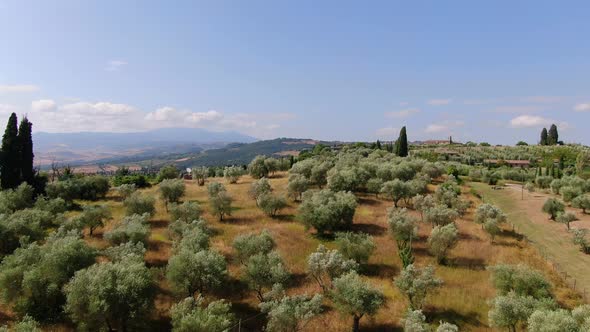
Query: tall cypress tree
x,y
25,142
553,136
543,137
9,165
402,143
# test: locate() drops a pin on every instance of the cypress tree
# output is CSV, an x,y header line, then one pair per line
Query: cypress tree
x,y
553,136
402,143
25,142
543,137
378,145
9,165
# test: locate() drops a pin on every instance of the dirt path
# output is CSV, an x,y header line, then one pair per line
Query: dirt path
x,y
551,238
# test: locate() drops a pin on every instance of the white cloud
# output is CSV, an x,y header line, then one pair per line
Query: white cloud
x,y
387,132
403,103
114,65
116,117
403,113
527,121
18,88
439,102
443,127
99,109
583,107
43,105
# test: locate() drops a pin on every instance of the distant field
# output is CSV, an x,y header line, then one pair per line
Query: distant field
x,y
551,238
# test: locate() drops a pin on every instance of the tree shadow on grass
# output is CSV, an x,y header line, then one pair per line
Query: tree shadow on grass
x,y
250,318
371,229
380,327
284,217
380,270
471,263
159,223
453,317
368,201
297,279
513,234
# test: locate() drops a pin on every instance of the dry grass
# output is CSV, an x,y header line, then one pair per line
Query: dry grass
x,y
462,300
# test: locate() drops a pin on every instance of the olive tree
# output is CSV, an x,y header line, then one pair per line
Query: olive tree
x,y
200,174
138,203
325,265
552,320
291,313
263,271
190,271
233,173
520,279
441,240
423,203
415,283
32,278
490,217
566,218
374,186
185,212
191,315
22,227
259,187
248,245
271,204
581,240
194,238
327,211
553,207
27,324
356,246
93,216
215,188
353,296
511,310
440,215
582,202
54,206
257,167
272,165
415,321
167,172
133,229
171,190
116,294
297,185
221,205
403,229
396,190
16,199
125,190
319,173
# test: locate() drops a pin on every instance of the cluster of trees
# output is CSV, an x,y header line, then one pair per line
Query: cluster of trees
x,y
525,299
16,158
551,137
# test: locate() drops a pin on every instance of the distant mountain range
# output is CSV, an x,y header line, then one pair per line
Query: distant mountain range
x,y
85,147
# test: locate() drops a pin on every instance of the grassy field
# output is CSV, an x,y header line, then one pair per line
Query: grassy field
x,y
551,238
463,299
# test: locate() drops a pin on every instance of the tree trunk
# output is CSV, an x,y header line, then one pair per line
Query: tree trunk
x,y
355,323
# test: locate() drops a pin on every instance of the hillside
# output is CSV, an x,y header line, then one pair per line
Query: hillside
x,y
230,154
86,147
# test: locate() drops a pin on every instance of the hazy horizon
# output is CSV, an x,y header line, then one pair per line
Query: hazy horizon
x,y
496,72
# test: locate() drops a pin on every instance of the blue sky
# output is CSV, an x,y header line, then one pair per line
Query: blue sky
x,y
494,71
